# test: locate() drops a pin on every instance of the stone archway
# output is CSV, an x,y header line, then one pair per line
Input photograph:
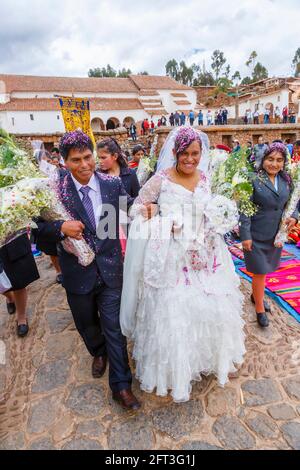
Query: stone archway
x,y
128,121
97,125
112,123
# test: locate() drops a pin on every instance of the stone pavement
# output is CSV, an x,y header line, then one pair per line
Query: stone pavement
x,y
48,399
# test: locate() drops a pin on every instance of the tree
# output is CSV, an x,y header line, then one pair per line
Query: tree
x,y
103,72
124,73
218,61
143,73
223,85
246,81
204,79
172,69
251,61
109,71
236,77
259,73
186,73
227,71
296,63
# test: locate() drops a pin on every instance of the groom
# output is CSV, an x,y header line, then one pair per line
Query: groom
x,y
94,291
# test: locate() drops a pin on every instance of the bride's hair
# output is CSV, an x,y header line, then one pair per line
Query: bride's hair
x,y
185,137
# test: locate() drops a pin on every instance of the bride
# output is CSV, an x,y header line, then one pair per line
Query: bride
x,y
181,304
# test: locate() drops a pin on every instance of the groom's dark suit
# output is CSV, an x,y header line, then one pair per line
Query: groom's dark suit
x,y
96,288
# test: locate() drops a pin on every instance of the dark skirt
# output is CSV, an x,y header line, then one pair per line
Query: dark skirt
x,y
264,257
18,262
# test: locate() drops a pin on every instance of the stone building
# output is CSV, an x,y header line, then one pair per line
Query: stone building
x,y
29,104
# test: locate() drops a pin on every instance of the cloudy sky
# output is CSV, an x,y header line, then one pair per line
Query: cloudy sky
x,y
67,37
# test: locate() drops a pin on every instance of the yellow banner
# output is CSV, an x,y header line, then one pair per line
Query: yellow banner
x,y
76,114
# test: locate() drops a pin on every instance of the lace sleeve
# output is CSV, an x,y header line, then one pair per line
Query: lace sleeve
x,y
149,193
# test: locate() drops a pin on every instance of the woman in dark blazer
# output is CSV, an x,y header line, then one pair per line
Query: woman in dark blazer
x,y
19,265
271,191
113,162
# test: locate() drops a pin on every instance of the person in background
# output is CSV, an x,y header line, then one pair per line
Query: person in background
x,y
200,118
172,119
285,113
192,117
163,121
209,117
236,146
296,152
216,117
152,126
245,119
267,116
138,152
19,266
277,115
224,116
249,116
182,119
258,151
113,163
289,146
132,131
177,118
256,117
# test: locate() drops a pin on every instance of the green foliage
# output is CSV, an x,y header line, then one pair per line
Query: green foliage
x,y
109,71
218,61
296,63
233,178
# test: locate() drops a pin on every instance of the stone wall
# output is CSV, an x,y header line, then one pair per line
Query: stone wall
x,y
226,134
216,134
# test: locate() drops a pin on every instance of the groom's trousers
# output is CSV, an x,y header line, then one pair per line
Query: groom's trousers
x,y
96,316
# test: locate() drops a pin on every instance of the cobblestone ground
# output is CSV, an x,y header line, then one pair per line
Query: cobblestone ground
x,y
48,399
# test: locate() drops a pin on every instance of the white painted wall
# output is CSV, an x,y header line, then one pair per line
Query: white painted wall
x,y
46,122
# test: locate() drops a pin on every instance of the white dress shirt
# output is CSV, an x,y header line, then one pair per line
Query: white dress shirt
x,y
94,194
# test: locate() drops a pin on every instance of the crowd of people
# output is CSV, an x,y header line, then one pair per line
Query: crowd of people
x,y
176,295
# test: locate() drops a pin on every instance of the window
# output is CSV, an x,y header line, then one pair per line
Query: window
x,y
31,117
13,121
58,116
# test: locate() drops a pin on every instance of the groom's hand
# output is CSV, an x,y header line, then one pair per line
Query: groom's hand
x,y
149,210
73,229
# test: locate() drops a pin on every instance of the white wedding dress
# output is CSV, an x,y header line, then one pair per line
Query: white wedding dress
x,y
181,303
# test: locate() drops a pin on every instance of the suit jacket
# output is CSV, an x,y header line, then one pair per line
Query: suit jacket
x,y
108,263
265,223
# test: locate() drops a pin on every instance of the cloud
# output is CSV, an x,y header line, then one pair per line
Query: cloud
x,y
68,37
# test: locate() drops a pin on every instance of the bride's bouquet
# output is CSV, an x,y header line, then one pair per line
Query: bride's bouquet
x,y
232,178
25,193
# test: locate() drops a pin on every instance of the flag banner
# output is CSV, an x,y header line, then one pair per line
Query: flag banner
x,y
76,115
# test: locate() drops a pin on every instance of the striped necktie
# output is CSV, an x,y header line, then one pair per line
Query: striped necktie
x,y
88,205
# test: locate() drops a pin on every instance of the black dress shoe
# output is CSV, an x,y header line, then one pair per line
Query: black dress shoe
x,y
126,399
266,305
11,307
22,329
262,319
98,366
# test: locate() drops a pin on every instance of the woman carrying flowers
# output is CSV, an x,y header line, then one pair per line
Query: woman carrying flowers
x,y
271,192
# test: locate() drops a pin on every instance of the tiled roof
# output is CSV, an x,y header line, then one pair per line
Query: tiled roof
x,y
52,104
157,82
67,84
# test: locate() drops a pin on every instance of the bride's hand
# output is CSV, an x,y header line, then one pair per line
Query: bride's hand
x,y
149,210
